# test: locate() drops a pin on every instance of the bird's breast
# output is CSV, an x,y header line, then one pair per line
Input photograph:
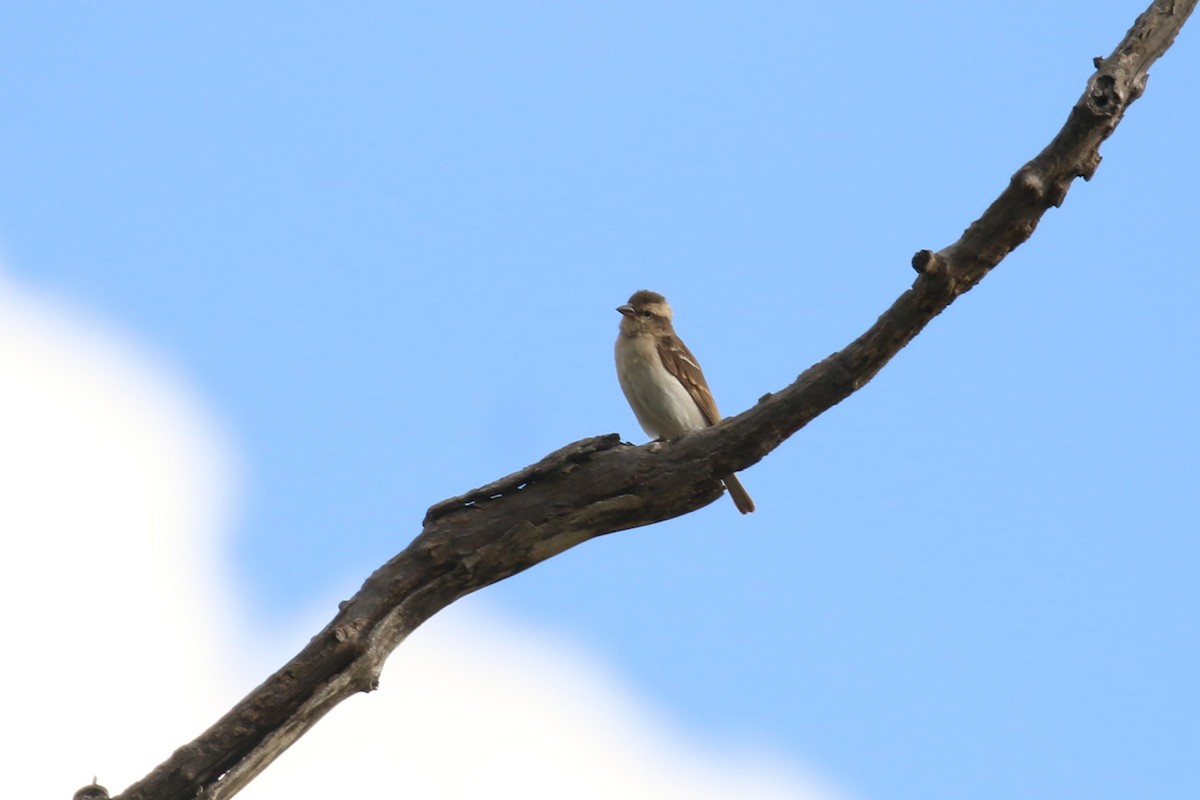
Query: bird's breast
x,y
661,403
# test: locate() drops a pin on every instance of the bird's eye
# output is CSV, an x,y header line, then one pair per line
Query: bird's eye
x,y
644,313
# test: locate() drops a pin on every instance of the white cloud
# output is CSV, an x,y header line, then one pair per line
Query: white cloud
x,y
123,639
475,706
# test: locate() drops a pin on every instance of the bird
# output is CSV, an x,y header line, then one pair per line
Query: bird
x,y
663,381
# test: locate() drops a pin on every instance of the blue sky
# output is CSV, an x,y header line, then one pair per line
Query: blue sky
x,y
384,244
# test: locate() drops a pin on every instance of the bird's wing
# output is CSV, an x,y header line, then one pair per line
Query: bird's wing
x,y
680,362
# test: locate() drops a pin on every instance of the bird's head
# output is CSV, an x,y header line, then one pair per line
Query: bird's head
x,y
646,312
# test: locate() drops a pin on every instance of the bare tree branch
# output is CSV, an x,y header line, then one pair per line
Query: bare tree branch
x,y
601,485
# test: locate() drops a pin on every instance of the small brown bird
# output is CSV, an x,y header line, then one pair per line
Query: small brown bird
x,y
662,379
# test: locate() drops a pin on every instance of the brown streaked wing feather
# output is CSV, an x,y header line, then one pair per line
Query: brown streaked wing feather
x,y
680,362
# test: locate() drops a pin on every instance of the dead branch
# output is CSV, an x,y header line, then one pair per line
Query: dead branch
x,y
600,485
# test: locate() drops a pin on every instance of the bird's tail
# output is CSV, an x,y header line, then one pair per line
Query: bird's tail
x,y
740,498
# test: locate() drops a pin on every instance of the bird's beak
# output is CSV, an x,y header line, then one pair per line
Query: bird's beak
x,y
626,309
